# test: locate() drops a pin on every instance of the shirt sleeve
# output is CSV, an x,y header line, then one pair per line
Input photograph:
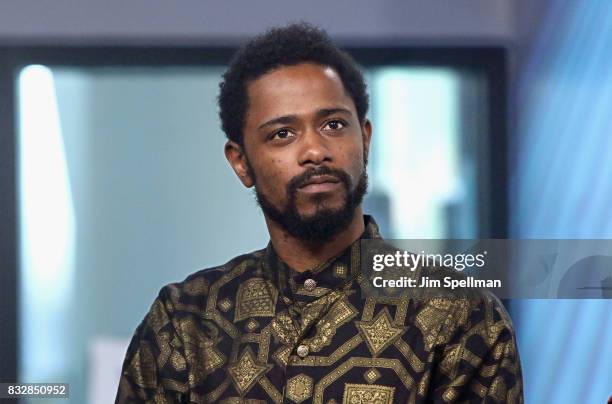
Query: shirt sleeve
x,y
155,369
480,362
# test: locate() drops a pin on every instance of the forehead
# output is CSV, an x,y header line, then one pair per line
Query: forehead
x,y
296,90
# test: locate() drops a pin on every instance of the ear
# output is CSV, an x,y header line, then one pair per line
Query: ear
x,y
234,153
366,134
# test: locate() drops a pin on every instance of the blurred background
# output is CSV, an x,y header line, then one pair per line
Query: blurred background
x,y
491,119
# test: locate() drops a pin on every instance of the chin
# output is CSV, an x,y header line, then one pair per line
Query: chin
x,y
325,201
322,210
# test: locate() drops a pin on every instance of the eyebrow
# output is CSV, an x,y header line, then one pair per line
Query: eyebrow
x,y
322,113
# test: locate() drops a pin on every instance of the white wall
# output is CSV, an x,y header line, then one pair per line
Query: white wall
x,y
154,200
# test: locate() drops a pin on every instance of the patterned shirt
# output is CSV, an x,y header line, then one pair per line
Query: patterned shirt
x,y
256,331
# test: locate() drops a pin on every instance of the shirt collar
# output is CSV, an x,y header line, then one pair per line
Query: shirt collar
x,y
327,276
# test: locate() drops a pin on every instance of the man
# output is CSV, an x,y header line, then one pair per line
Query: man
x,y
290,323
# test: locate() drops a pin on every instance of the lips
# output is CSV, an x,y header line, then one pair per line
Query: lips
x,y
320,179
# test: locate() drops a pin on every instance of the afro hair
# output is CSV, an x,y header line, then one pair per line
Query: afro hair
x,y
283,46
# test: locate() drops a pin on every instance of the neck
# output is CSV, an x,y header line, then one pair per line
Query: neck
x,y
301,255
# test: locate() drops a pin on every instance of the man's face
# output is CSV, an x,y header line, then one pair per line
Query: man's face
x,y
305,150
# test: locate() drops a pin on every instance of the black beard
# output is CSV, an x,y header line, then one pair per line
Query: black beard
x,y
326,223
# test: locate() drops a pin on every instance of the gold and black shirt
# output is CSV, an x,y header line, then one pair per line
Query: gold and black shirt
x,y
256,331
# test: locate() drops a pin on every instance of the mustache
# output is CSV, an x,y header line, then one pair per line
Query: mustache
x,y
301,179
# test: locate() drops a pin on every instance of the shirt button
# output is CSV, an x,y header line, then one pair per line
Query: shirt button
x,y
302,351
310,285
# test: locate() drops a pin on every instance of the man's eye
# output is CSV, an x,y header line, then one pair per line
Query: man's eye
x,y
281,134
334,125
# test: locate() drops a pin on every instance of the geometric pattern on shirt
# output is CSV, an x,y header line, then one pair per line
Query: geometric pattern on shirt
x,y
371,375
251,325
340,271
157,356
256,297
246,371
299,388
317,292
200,346
340,313
380,332
353,362
367,393
434,317
225,304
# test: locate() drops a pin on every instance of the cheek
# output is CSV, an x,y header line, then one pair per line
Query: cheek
x,y
272,179
358,169
353,155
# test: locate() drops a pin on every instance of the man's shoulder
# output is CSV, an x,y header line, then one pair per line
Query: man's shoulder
x,y
447,318
199,283
459,308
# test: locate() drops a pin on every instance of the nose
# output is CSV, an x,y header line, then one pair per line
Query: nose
x,y
314,149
